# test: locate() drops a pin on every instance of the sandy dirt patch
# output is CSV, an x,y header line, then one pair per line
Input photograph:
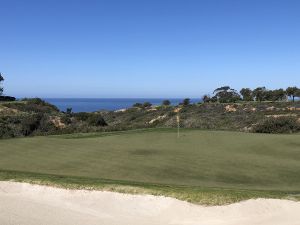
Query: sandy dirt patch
x,y
25,204
230,108
159,118
57,122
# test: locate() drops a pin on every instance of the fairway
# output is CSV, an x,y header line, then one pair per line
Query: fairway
x,y
197,158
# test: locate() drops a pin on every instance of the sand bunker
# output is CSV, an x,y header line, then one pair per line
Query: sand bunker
x,y
25,204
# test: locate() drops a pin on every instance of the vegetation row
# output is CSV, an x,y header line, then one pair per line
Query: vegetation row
x,y
259,110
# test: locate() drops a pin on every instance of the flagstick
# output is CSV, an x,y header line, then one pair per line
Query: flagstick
x,y
178,130
178,121
178,125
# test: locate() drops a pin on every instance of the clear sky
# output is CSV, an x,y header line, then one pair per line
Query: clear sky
x,y
147,48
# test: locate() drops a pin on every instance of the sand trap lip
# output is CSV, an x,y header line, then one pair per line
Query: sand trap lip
x,y
26,204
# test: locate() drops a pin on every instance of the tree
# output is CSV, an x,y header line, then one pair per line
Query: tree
x,y
1,80
260,94
186,102
291,92
166,103
298,93
69,111
281,94
226,94
206,98
268,96
278,95
246,94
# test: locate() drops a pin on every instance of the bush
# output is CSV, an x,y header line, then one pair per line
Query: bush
x,y
30,124
92,119
39,105
278,125
66,119
46,126
96,120
137,105
147,104
82,116
6,131
35,105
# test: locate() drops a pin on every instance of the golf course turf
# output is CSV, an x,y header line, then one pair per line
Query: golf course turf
x,y
206,167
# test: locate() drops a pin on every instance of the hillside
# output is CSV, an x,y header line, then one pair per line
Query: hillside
x,y
217,116
36,117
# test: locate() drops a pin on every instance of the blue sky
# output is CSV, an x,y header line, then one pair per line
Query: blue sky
x,y
154,48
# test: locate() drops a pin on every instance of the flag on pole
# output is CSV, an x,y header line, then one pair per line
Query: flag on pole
x,y
178,120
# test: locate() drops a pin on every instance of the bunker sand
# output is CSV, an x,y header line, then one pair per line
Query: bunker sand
x,y
26,204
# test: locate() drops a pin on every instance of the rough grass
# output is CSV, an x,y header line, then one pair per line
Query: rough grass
x,y
206,167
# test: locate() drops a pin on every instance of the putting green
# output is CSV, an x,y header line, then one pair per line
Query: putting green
x,y
196,159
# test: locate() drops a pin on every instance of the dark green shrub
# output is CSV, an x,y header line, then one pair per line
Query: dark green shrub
x,y
36,101
82,116
30,124
35,105
96,120
138,105
278,125
6,131
46,126
147,104
66,119
132,118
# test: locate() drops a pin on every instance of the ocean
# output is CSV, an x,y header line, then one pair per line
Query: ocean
x,y
111,104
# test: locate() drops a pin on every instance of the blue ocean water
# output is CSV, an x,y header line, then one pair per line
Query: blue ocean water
x,y
96,104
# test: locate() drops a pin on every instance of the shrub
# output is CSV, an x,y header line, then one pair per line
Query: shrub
x,y
6,131
278,125
36,105
36,101
147,104
46,126
82,116
138,105
66,119
92,119
30,124
96,120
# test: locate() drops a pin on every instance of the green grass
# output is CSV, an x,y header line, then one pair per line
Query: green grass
x,y
206,167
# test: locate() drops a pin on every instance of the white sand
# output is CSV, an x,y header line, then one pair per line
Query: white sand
x,y
25,204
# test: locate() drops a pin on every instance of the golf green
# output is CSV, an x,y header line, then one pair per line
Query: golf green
x,y
197,159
